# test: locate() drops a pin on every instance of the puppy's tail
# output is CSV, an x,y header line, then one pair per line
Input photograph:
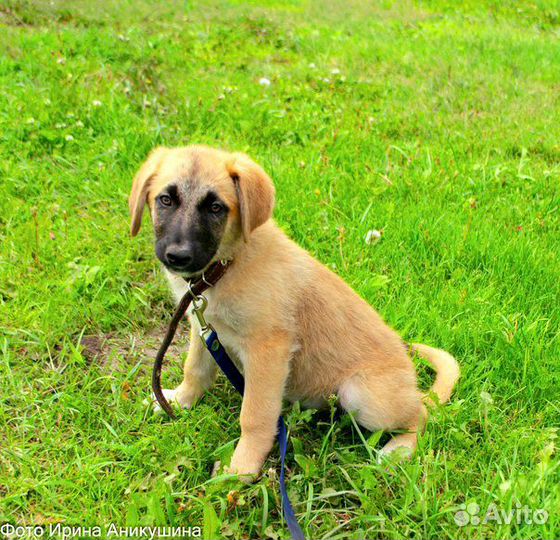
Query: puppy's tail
x,y
445,366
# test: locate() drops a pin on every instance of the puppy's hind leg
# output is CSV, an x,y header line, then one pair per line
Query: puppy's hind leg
x,y
408,440
388,402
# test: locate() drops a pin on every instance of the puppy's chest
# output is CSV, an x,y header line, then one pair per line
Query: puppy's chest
x,y
230,327
220,311
227,318
226,312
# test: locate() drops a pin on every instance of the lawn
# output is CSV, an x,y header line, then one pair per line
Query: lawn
x,y
434,123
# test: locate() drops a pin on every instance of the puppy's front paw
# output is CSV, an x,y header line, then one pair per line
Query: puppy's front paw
x,y
177,398
242,476
246,468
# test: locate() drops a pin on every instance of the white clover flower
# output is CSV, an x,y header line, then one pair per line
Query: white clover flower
x,y
79,124
263,81
96,103
312,66
69,138
373,235
335,71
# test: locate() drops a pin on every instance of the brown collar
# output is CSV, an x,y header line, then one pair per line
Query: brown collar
x,y
208,279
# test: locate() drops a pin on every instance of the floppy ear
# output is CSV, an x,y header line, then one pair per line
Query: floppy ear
x,y
140,188
255,192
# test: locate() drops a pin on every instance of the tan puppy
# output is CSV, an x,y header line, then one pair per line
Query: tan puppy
x,y
295,329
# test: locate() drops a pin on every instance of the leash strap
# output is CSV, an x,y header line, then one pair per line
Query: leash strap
x,y
226,364
289,515
213,275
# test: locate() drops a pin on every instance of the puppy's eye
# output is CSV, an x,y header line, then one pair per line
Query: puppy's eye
x,y
216,208
165,200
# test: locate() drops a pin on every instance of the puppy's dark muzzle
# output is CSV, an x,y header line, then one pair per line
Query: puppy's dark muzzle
x,y
179,258
185,258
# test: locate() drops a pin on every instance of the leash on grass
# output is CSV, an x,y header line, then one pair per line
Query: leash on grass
x,y
214,274
210,339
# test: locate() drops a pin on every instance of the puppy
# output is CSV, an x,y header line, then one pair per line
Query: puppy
x,y
296,330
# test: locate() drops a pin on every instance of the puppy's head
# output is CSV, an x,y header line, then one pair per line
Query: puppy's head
x,y
202,201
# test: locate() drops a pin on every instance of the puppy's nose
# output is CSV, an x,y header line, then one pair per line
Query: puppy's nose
x,y
179,256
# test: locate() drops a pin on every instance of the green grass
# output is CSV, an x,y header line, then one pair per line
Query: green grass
x,y
440,129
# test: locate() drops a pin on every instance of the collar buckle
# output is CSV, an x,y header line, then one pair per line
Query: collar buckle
x,y
200,303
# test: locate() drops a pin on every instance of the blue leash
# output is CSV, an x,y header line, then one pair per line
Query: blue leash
x,y
221,357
